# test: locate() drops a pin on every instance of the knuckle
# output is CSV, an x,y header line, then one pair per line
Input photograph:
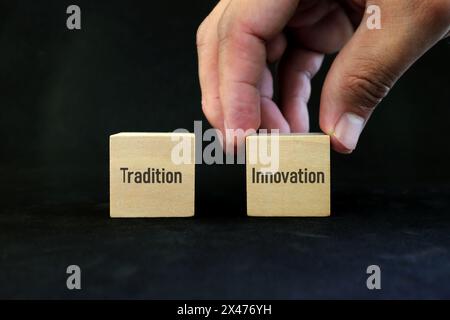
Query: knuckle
x,y
223,34
431,13
223,31
201,34
440,9
368,89
229,32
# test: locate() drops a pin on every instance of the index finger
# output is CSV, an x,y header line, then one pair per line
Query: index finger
x,y
243,30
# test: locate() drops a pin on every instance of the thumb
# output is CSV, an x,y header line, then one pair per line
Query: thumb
x,y
373,60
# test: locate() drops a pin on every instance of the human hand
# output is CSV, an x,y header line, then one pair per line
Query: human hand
x,y
240,37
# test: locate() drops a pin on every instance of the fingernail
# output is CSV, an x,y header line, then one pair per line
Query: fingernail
x,y
348,129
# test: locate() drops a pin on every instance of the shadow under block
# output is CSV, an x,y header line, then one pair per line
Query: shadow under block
x,y
145,182
299,186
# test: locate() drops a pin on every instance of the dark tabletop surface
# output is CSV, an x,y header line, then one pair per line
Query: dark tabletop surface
x,y
221,253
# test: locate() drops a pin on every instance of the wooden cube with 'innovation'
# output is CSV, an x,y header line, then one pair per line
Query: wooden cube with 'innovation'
x,y
288,175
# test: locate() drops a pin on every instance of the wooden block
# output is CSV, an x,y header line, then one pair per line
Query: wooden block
x,y
299,185
145,181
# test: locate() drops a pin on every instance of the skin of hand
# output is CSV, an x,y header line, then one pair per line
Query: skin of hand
x,y
240,38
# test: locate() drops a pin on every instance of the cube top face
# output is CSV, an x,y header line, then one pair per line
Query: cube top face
x,y
288,175
152,174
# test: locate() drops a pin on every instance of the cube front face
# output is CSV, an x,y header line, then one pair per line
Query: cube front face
x,y
144,179
300,186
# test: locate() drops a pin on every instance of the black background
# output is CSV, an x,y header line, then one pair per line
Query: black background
x,y
133,67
